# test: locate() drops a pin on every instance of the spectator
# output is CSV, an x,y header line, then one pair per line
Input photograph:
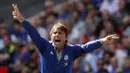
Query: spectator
x,y
91,59
17,67
42,18
88,5
65,14
81,9
42,31
107,57
127,26
110,5
26,70
121,13
127,65
21,53
6,54
97,3
112,68
101,68
17,32
120,70
76,30
126,41
92,21
3,31
121,54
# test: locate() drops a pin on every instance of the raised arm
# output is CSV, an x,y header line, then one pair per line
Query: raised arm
x,y
92,45
41,43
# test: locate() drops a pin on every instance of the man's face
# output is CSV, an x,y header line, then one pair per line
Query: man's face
x,y
7,41
58,38
17,27
100,64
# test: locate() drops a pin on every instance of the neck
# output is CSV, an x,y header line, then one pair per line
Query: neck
x,y
59,48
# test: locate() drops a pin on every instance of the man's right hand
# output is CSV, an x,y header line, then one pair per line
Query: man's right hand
x,y
17,14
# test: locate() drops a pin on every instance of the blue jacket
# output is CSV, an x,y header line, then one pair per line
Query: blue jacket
x,y
48,57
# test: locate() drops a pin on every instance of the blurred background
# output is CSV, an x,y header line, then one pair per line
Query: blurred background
x,y
86,20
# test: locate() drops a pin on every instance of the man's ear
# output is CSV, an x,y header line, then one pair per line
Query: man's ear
x,y
66,37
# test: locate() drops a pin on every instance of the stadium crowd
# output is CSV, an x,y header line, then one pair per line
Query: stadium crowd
x,y
86,20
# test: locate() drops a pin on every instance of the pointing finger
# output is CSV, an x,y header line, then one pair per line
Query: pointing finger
x,y
115,37
15,7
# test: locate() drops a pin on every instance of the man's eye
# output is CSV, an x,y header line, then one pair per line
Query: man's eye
x,y
54,32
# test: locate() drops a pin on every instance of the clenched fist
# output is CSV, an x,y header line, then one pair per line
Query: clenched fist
x,y
17,14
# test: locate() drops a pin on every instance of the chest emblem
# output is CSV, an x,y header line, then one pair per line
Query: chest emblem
x,y
66,57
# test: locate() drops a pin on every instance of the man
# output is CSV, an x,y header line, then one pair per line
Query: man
x,y
57,56
6,54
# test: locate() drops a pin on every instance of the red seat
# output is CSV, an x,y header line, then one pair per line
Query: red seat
x,y
4,69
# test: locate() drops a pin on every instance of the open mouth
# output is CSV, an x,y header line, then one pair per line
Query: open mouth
x,y
57,40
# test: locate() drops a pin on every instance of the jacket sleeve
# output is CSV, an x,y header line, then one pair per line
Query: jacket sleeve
x,y
41,43
86,48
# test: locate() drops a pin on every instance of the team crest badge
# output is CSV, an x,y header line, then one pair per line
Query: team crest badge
x,y
66,57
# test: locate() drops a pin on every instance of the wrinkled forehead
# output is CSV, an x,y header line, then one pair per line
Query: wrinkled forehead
x,y
58,30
